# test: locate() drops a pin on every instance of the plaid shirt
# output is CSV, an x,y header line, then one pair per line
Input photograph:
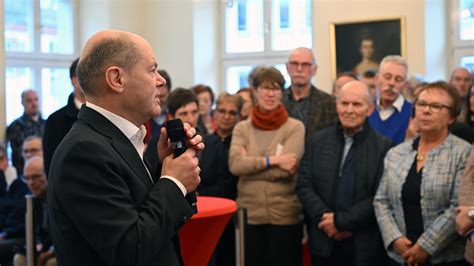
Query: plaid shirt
x,y
442,171
317,111
18,131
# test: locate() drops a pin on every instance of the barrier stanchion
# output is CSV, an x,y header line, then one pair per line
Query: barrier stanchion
x,y
240,223
30,245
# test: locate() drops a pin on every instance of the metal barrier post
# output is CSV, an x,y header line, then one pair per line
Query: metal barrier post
x,y
30,245
240,236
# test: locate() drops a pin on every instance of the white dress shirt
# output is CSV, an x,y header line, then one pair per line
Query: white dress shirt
x,y
397,105
134,134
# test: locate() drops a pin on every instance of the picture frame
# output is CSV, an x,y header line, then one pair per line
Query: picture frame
x,y
357,46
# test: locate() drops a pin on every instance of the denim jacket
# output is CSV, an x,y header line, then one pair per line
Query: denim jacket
x,y
443,168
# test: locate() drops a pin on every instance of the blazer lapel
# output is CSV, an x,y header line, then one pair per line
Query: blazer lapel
x,y
120,142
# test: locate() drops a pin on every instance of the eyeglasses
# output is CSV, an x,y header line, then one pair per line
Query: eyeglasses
x,y
32,178
267,89
433,107
225,112
34,150
304,65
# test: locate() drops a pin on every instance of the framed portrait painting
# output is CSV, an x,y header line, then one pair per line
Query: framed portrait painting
x,y
358,46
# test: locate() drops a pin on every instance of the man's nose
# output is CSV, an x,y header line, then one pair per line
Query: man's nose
x,y
160,81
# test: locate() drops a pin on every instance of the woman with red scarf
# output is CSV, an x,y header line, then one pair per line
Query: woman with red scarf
x,y
265,153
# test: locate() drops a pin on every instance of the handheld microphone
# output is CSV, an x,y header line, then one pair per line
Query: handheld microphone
x,y
175,131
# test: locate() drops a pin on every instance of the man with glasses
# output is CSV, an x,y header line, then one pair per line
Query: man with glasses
x,y
303,101
12,207
35,177
32,146
392,113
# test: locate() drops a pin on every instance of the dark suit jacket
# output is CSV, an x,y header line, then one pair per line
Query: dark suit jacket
x,y
57,126
104,208
317,183
321,113
216,179
12,210
3,184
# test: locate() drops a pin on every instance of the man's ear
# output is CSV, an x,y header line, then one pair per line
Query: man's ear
x,y
314,70
114,77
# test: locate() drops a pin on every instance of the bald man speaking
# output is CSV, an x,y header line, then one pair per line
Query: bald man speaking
x,y
106,206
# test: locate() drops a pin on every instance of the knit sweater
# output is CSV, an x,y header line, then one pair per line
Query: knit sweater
x,y
268,194
395,126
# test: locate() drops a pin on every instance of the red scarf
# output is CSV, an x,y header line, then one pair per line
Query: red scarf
x,y
269,121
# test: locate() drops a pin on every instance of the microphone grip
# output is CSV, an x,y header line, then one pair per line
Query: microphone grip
x,y
177,137
179,147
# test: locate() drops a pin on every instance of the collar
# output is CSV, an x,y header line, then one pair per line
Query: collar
x,y
25,117
77,103
127,127
290,93
360,129
397,104
357,136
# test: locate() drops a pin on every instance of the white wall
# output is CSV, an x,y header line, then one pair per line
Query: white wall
x,y
422,55
169,28
182,33
2,80
206,43
436,36
96,15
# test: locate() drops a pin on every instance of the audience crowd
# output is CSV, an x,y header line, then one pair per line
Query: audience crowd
x,y
379,172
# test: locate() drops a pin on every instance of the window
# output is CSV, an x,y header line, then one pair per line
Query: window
x,y
258,32
463,28
39,47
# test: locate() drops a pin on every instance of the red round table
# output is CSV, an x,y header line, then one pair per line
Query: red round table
x,y
200,235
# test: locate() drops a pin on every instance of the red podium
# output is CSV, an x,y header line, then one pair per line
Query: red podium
x,y
200,235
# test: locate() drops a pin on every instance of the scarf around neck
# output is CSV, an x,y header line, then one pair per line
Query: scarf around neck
x,y
269,121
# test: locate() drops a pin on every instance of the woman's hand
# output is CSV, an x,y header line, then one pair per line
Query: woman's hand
x,y
401,244
415,255
287,162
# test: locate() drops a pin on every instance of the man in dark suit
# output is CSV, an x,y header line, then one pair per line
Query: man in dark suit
x,y
106,207
337,180
60,122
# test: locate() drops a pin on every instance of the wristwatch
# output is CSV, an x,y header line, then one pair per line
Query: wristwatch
x,y
470,212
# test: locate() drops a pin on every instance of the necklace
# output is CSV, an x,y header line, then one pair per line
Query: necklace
x,y
420,157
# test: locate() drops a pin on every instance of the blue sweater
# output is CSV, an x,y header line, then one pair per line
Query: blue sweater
x,y
395,126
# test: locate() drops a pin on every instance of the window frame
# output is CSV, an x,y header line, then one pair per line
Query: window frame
x,y
37,60
459,48
266,57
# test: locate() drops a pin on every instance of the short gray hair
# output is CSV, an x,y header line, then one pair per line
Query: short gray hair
x,y
121,52
396,59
